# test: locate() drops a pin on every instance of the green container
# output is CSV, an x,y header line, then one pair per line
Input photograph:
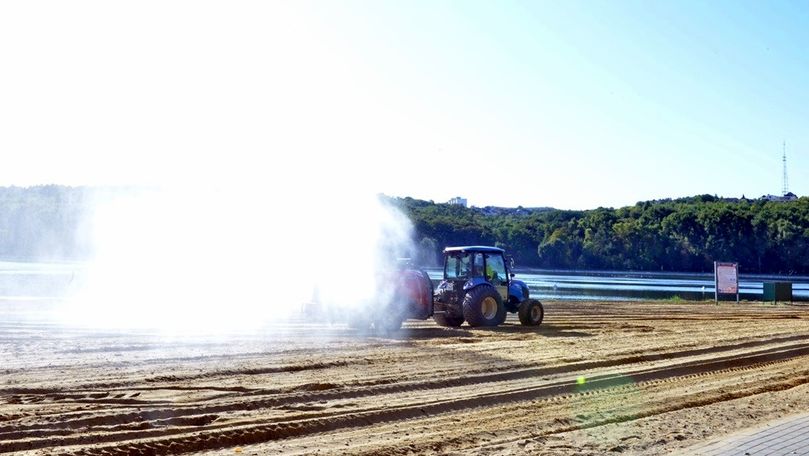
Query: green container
x,y
778,291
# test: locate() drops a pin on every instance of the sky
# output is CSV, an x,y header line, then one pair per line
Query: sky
x,y
574,104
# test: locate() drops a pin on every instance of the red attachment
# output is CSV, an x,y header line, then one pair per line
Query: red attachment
x,y
415,290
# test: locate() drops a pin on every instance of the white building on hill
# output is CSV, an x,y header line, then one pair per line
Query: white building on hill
x,y
789,196
457,200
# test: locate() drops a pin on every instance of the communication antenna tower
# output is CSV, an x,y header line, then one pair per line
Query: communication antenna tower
x,y
785,188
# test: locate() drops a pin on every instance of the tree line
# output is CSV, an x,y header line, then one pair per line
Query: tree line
x,y
686,234
43,222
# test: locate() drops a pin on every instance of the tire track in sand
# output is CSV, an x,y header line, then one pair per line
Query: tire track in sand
x,y
179,440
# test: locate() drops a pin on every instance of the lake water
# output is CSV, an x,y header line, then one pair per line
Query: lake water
x,y
20,281
621,286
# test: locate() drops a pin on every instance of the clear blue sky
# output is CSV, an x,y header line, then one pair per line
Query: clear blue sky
x,y
564,104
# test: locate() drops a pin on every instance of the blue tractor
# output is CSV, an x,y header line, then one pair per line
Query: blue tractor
x,y
479,288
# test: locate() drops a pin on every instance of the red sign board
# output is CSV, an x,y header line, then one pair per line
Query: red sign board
x,y
727,277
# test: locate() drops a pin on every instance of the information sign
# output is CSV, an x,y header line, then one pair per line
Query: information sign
x,y
726,279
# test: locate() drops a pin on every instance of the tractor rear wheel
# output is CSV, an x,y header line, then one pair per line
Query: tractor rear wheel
x,y
483,306
444,320
531,312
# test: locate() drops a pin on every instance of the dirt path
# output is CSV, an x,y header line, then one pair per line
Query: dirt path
x,y
631,378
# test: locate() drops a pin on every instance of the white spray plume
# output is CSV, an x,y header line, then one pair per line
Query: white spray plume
x,y
210,260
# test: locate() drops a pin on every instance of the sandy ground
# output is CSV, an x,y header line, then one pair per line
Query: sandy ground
x,y
594,378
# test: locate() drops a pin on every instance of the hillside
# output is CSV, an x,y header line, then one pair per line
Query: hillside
x,y
687,234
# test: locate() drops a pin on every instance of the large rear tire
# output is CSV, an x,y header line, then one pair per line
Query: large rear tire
x,y
444,320
531,312
501,317
483,306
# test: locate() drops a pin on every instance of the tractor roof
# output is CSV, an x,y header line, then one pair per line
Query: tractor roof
x,y
474,248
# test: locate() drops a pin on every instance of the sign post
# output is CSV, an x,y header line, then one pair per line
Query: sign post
x,y
726,279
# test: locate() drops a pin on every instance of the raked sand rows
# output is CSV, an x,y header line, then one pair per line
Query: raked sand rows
x,y
302,387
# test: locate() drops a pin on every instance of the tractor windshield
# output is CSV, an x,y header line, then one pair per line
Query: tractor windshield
x,y
464,265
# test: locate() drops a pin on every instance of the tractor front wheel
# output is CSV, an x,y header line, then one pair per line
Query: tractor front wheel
x,y
531,312
482,306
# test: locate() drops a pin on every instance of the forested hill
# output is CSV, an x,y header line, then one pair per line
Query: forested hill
x,y
43,223
49,222
686,234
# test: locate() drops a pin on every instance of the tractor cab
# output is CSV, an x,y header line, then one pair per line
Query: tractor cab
x,y
466,267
